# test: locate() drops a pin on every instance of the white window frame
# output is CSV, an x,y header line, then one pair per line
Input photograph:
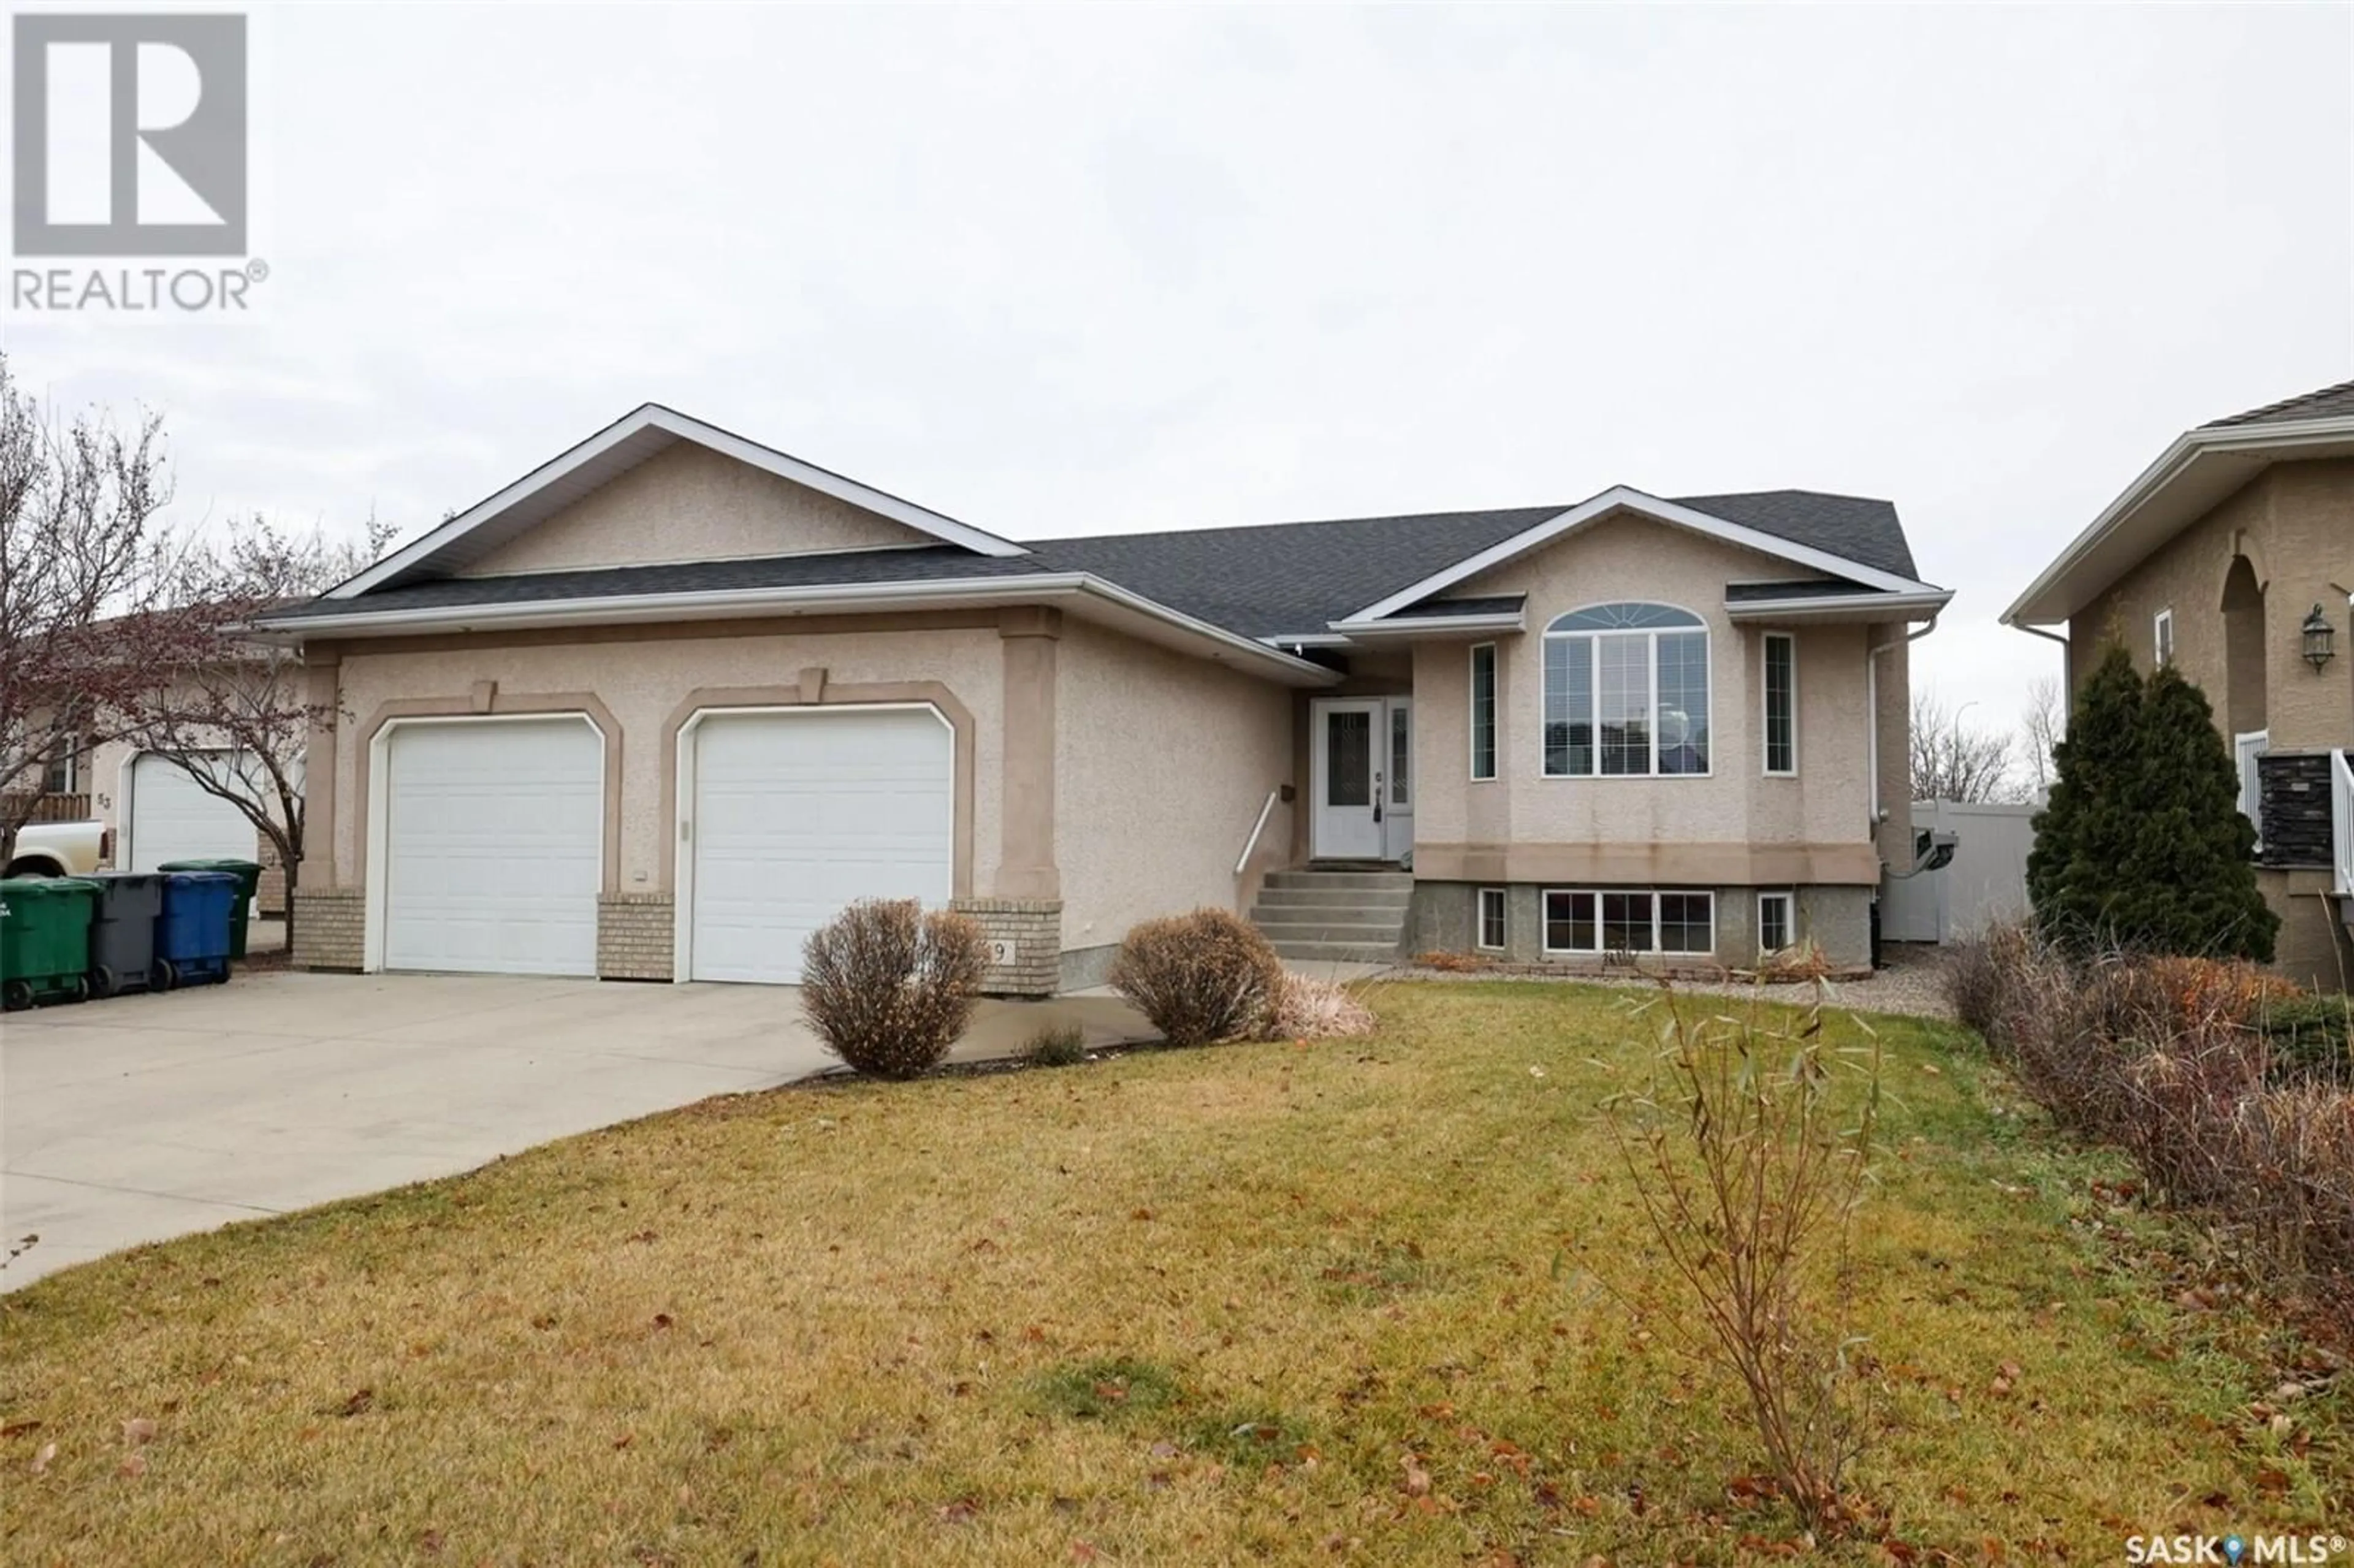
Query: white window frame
x,y
1789,902
1650,635
2161,637
1765,705
1544,919
1495,739
1479,920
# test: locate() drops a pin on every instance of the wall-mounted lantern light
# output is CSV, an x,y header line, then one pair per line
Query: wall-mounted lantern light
x,y
2319,635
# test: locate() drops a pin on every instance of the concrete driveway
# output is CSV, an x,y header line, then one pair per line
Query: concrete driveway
x,y
150,1117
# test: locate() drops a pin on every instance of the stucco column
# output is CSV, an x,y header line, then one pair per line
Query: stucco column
x,y
321,669
1029,638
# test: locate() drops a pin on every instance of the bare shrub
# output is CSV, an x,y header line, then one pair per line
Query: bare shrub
x,y
1306,1009
888,987
1065,1046
2227,1087
1201,977
1750,1175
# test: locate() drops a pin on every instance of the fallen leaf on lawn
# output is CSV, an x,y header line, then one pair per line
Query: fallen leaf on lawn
x,y
624,1440
960,1512
357,1404
661,1319
1082,1551
41,1460
138,1429
133,1464
17,1428
1417,1480
430,1542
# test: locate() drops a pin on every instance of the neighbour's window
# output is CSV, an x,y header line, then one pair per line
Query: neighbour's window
x,y
2161,636
1773,922
63,775
1605,921
1625,692
1491,920
1483,711
1781,702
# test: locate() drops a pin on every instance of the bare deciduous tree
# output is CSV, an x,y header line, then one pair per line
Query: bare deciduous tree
x,y
84,575
1952,761
2043,724
235,715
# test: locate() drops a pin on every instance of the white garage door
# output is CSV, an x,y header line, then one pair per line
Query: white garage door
x,y
493,833
798,814
174,818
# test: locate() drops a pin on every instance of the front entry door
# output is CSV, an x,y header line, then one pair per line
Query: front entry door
x,y
1348,743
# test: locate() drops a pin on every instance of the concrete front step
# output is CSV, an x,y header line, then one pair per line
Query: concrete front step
x,y
1384,933
1337,952
1335,898
1382,879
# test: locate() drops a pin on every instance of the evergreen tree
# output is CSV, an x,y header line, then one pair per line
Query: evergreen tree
x,y
2143,843
2082,834
2191,886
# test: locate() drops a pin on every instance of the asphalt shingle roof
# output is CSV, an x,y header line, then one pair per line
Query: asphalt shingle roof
x,y
2322,405
1260,581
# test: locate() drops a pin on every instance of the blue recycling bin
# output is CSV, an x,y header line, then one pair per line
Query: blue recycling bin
x,y
192,939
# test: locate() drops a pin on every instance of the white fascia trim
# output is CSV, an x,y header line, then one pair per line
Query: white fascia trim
x,y
1411,626
1620,495
2188,449
1787,608
653,416
627,608
1307,640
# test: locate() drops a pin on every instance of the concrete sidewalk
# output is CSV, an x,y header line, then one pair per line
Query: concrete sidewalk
x,y
149,1116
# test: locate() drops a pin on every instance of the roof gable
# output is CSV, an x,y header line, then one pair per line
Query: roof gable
x,y
477,533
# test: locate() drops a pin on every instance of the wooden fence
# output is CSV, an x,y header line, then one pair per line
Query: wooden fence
x,y
47,808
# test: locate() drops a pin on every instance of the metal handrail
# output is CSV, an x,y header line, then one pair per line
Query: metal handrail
x,y
2341,818
1250,845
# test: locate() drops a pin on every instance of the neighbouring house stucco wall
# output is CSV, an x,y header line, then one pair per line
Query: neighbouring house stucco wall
x,y
689,502
641,676
1161,765
1734,824
2294,523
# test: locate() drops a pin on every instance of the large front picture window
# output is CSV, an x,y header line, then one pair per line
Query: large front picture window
x,y
1625,692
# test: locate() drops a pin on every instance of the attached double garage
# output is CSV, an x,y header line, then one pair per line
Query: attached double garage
x,y
494,833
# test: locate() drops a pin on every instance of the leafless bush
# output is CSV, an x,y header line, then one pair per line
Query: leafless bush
x,y
1750,1172
1306,1009
2182,1062
1201,977
1065,1045
888,987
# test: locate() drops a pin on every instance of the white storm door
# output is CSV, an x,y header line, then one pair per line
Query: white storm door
x,y
798,814
2246,749
1347,743
1397,778
494,833
173,817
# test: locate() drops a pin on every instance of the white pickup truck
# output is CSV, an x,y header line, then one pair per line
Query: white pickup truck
x,y
60,849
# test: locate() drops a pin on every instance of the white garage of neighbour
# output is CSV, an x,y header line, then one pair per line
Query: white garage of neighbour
x,y
490,835
172,817
788,815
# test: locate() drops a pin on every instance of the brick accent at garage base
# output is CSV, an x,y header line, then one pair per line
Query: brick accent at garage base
x,y
633,937
330,929
1034,927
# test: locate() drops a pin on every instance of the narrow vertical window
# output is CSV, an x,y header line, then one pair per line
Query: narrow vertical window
x,y
2161,636
1781,702
1400,756
1773,922
1483,711
1491,920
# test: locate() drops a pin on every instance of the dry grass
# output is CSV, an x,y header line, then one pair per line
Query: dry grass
x,y
1338,1303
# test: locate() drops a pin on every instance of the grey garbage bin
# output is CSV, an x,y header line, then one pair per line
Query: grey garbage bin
x,y
122,934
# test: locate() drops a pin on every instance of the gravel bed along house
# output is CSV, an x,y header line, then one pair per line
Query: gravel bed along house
x,y
1912,982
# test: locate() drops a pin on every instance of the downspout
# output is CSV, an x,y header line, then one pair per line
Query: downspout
x,y
1872,706
2067,685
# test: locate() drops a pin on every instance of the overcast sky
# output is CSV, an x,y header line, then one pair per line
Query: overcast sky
x,y
1072,271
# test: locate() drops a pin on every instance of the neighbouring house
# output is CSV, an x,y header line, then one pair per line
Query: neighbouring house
x,y
665,704
2231,558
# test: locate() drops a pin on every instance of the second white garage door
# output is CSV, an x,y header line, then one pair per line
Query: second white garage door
x,y
173,817
798,814
493,839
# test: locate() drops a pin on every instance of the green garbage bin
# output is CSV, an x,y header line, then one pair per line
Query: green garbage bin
x,y
248,880
45,939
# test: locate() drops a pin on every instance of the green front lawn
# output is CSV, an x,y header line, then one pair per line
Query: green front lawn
x,y
1365,1301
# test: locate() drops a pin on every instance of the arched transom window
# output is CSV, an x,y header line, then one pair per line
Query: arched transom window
x,y
1625,692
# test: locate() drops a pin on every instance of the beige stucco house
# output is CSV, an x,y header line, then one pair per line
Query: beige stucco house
x,y
2233,557
662,705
